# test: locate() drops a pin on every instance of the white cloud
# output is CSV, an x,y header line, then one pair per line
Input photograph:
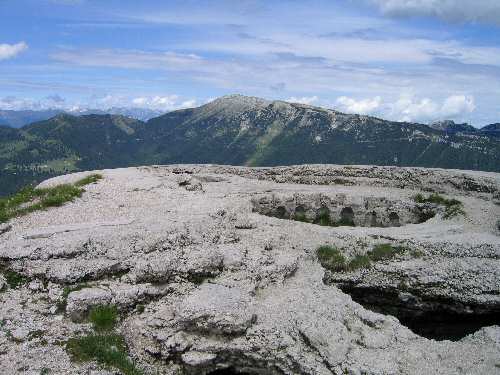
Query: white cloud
x,y
486,11
363,106
129,59
303,100
8,51
163,103
159,103
188,104
457,105
408,108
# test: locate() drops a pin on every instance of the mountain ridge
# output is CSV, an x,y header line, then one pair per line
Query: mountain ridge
x,y
237,130
19,118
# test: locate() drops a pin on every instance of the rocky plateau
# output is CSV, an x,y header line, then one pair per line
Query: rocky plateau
x,y
211,274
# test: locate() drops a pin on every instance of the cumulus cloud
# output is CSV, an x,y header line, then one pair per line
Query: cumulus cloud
x,y
362,107
49,102
484,11
410,108
8,51
303,100
156,102
159,103
188,104
162,103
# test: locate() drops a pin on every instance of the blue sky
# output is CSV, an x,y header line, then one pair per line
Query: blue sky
x,y
411,60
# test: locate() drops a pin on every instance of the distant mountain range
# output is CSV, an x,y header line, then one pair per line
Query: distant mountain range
x,y
238,130
17,119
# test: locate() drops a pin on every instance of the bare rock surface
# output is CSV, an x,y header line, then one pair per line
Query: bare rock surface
x,y
209,272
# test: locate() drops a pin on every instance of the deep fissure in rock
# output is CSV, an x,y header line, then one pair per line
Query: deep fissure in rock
x,y
438,319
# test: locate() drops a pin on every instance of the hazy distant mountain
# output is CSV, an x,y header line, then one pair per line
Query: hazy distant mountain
x,y
142,114
17,119
237,130
492,130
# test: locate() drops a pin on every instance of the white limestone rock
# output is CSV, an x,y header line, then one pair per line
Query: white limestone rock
x,y
225,280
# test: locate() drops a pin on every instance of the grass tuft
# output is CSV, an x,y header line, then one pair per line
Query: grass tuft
x,y
331,258
30,199
384,252
359,261
301,216
104,317
323,218
14,279
90,179
107,349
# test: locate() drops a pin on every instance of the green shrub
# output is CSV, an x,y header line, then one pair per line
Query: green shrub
x,y
331,258
103,317
359,261
107,349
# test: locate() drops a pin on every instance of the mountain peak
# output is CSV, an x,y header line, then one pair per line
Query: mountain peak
x,y
238,99
233,105
450,126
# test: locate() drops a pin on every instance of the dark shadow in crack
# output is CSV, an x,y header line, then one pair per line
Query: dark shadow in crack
x,y
438,319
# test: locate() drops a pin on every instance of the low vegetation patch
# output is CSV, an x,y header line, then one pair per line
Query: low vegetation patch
x,y
108,350
104,317
358,262
31,199
105,346
453,207
90,179
14,279
301,216
331,258
323,219
385,252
